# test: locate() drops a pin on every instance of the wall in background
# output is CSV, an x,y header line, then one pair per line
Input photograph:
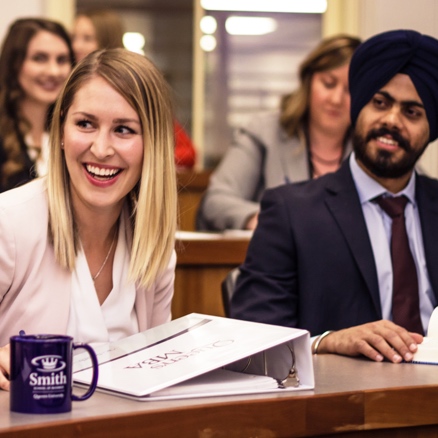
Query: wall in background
x,y
15,9
62,11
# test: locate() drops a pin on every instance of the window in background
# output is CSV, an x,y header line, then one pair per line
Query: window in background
x,y
245,74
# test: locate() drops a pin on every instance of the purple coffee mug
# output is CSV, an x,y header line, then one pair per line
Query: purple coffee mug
x,y
41,373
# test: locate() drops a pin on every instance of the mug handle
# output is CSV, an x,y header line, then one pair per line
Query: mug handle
x,y
93,384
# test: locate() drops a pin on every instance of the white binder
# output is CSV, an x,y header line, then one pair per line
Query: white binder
x,y
202,355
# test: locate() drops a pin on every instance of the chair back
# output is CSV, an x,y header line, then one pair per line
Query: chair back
x,y
228,286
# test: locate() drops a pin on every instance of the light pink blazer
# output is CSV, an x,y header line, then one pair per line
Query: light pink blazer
x,y
34,289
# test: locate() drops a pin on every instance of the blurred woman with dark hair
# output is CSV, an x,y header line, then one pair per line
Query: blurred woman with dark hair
x,y
35,61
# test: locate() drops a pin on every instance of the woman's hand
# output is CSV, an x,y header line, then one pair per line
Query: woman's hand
x,y
5,353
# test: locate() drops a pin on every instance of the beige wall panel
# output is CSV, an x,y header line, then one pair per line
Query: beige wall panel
x,y
11,10
60,10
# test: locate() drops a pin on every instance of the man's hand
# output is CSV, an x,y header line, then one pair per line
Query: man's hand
x,y
376,340
4,367
251,224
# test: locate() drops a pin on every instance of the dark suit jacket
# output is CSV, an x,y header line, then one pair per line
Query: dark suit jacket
x,y
310,263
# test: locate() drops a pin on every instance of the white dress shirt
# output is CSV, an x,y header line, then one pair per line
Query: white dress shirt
x,y
379,230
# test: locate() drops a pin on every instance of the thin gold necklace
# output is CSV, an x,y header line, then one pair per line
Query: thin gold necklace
x,y
94,277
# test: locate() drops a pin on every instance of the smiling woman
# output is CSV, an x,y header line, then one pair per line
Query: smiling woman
x,y
35,61
103,147
96,256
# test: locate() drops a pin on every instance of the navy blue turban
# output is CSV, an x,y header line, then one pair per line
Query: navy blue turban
x,y
377,60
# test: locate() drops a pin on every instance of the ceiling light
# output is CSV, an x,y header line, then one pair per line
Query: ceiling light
x,y
208,43
250,25
208,24
298,6
134,41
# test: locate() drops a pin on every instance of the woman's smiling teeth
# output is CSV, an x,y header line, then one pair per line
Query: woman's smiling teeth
x,y
49,85
101,173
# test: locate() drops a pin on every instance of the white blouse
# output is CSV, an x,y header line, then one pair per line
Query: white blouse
x,y
116,318
39,158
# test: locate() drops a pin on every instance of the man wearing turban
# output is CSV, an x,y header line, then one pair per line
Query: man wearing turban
x,y
321,257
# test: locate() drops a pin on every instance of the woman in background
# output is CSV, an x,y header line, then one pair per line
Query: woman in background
x,y
94,30
102,29
35,61
308,137
88,251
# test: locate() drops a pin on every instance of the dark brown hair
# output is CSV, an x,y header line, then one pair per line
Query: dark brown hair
x,y
13,54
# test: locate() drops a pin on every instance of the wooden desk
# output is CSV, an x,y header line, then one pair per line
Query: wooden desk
x,y
352,397
191,187
203,262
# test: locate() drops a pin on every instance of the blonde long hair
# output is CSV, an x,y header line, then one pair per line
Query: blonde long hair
x,y
153,202
330,53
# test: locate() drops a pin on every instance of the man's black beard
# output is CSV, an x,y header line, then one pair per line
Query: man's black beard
x,y
383,166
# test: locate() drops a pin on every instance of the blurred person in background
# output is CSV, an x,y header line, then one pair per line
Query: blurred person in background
x,y
35,60
308,137
94,30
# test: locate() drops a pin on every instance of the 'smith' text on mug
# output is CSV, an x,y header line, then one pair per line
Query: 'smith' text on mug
x,y
54,379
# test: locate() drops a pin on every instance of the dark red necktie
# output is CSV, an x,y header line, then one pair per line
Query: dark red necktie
x,y
405,301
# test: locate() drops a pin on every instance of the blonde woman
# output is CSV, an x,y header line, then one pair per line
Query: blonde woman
x,y
89,250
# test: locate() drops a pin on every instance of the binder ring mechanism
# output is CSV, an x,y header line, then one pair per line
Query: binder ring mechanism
x,y
291,380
